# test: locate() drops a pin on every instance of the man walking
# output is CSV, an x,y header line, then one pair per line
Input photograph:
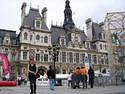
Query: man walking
x,y
51,76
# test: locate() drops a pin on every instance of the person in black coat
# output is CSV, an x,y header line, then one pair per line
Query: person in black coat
x,y
51,76
32,69
91,76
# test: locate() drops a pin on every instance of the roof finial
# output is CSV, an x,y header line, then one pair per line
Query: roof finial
x,y
38,7
30,4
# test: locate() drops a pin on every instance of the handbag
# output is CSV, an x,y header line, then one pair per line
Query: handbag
x,y
37,75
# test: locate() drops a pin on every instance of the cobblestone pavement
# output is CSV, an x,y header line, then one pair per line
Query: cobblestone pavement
x,y
64,90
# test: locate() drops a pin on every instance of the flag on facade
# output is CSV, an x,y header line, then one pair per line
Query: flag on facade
x,y
86,61
5,63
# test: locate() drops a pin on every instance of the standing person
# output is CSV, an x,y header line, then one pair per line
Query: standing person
x,y
84,77
91,76
69,79
51,76
32,69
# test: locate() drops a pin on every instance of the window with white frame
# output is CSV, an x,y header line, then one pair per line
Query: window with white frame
x,y
41,39
70,57
37,23
37,37
24,54
45,39
37,57
25,36
94,59
100,46
42,55
77,57
87,45
45,57
64,57
31,37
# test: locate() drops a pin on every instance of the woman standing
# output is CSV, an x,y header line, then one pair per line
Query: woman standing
x,y
32,69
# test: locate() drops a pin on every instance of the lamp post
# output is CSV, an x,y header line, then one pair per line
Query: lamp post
x,y
54,50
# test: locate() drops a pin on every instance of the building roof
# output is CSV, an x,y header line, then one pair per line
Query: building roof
x,y
58,31
11,33
30,18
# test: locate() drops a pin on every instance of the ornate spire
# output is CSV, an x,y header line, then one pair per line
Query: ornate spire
x,y
68,22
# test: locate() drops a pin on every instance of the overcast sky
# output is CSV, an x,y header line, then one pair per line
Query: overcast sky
x,y
10,11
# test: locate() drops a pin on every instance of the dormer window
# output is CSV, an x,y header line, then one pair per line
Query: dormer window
x,y
62,41
37,24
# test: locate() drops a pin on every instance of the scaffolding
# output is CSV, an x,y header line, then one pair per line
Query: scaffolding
x,y
114,23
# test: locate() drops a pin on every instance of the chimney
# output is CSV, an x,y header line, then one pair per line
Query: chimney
x,y
44,14
23,9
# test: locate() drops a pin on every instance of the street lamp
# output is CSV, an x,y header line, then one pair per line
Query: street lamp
x,y
54,50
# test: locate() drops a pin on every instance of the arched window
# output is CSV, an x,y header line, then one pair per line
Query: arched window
x,y
45,39
37,37
25,36
31,37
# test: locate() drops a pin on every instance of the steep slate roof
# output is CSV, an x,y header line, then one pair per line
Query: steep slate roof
x,y
96,31
57,31
30,18
12,34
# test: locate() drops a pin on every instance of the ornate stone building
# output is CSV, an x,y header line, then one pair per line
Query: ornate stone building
x,y
9,46
35,39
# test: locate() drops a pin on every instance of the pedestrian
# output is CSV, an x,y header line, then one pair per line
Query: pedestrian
x,y
84,77
32,69
91,76
76,78
19,80
69,79
52,77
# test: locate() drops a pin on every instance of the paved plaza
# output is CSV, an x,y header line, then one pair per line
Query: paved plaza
x,y
64,90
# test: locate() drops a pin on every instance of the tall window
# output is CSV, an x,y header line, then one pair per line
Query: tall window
x,y
37,24
45,39
77,57
64,57
24,54
94,59
37,57
41,39
70,57
101,46
87,45
31,37
25,36
89,55
62,41
37,37
41,55
45,57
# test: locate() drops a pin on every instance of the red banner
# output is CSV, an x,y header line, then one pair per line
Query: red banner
x,y
5,62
